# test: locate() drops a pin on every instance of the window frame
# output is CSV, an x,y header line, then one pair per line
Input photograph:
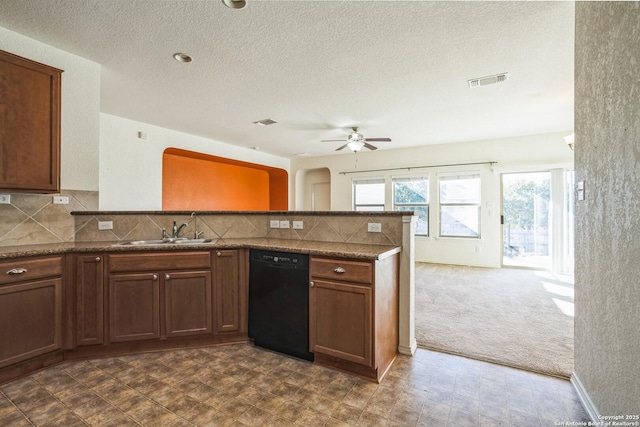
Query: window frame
x,y
410,179
364,181
477,204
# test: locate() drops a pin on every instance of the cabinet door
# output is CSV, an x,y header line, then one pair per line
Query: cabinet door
x,y
188,303
90,300
134,307
340,321
226,284
30,320
29,125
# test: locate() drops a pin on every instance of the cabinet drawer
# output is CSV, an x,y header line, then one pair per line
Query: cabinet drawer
x,y
159,261
29,268
351,271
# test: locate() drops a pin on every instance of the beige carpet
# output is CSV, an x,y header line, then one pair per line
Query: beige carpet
x,y
515,317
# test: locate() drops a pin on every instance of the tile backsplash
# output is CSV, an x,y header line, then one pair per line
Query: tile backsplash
x,y
34,218
316,227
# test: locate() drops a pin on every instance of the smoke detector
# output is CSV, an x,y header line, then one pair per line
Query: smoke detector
x,y
488,80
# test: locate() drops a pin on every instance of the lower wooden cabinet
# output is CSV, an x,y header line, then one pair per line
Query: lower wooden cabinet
x,y
147,303
30,309
353,314
187,303
134,307
340,321
229,298
89,274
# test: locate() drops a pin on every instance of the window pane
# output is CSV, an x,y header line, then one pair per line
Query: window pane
x,y
407,192
369,194
460,221
422,227
461,189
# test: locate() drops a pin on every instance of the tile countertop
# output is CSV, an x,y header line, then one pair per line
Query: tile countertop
x,y
343,250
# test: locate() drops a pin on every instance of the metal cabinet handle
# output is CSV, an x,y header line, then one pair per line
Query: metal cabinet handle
x,y
311,284
167,277
339,270
14,271
97,259
155,277
219,253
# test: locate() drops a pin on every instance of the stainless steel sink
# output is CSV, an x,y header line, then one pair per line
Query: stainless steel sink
x,y
163,242
194,241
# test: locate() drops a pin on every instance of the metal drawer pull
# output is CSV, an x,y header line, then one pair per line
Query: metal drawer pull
x,y
339,270
17,271
97,259
219,253
311,284
166,276
155,277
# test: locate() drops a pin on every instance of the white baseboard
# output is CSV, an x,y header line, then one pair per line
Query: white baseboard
x,y
409,350
586,401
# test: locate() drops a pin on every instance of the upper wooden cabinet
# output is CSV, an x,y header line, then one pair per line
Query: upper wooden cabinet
x,y
29,125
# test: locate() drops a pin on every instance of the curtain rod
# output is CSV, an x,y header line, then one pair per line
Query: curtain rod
x,y
408,168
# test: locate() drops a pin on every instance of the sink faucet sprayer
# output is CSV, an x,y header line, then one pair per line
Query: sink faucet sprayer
x,y
196,233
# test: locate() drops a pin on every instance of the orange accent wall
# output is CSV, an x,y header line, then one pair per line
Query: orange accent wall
x,y
196,181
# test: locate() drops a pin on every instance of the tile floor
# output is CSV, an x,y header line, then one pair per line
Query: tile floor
x,y
242,385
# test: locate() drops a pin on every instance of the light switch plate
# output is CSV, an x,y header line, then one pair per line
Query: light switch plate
x,y
284,224
5,199
298,225
274,223
374,227
105,225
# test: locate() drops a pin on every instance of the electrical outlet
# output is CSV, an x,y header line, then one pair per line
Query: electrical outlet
x,y
105,225
374,227
5,199
60,200
298,225
274,223
284,224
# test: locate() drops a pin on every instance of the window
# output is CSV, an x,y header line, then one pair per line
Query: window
x,y
412,194
459,205
368,194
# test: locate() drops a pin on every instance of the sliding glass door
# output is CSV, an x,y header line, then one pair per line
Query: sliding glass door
x,y
526,202
537,216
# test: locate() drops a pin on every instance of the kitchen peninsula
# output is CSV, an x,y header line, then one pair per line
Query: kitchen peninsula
x,y
97,296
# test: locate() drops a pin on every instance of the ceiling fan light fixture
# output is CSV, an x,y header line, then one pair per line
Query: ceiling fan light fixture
x,y
355,145
234,4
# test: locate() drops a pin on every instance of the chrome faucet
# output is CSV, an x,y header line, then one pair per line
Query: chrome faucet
x,y
176,229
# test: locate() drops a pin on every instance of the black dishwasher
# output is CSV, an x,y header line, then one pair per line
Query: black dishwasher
x,y
279,302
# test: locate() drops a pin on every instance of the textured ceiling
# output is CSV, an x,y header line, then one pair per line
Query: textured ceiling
x,y
396,69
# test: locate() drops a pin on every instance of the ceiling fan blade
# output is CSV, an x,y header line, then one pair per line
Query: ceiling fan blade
x,y
338,149
370,147
378,139
333,140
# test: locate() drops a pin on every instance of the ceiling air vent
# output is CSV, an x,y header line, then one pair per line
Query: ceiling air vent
x,y
265,122
488,80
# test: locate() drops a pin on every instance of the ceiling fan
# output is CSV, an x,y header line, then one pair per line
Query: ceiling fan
x,y
355,141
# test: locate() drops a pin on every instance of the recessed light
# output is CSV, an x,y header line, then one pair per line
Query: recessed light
x,y
234,4
265,122
303,154
255,148
182,57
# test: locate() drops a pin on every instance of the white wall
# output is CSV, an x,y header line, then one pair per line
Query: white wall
x,y
80,107
131,168
525,153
